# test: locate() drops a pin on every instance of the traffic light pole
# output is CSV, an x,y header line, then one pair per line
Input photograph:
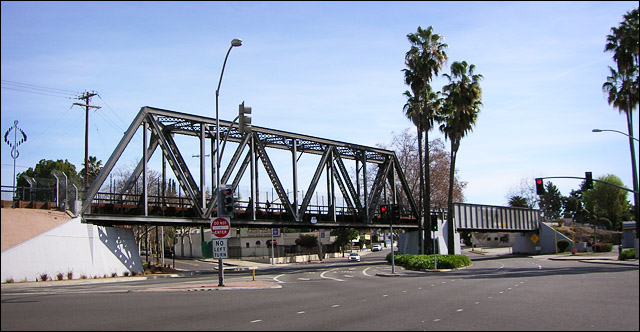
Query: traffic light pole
x,y
594,180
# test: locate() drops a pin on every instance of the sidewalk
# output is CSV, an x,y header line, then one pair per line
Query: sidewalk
x,y
589,257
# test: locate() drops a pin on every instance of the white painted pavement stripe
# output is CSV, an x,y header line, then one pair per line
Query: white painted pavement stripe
x,y
325,277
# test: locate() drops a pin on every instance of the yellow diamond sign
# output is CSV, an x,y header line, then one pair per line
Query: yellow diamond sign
x,y
534,238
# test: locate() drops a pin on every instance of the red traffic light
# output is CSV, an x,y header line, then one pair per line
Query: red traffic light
x,y
539,187
383,208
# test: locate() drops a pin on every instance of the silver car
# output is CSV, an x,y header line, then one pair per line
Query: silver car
x,y
354,257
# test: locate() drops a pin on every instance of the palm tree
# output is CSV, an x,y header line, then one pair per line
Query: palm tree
x,y
622,85
424,61
95,166
459,114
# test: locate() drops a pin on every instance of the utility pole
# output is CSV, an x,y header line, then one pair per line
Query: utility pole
x,y
86,96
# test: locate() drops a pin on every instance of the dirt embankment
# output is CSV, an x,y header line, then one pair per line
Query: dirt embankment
x,y
586,234
19,225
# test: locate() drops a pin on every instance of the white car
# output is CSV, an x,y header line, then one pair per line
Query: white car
x,y
376,247
354,257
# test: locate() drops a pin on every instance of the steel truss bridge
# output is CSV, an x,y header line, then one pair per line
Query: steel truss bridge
x,y
195,208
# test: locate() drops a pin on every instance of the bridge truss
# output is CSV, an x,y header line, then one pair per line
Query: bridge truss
x,y
361,198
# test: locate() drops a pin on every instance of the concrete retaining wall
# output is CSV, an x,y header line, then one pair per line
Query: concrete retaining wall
x,y
75,247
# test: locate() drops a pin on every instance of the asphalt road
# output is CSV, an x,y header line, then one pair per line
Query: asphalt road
x,y
516,293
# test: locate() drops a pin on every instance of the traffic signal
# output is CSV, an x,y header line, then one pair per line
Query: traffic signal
x,y
539,187
395,211
589,180
244,114
225,201
384,211
434,222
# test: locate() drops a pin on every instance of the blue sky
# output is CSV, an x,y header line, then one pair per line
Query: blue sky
x,y
325,69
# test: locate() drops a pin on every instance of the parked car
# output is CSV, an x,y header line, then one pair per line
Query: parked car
x,y
376,247
354,257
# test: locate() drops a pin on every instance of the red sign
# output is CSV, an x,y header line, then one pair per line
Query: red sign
x,y
220,228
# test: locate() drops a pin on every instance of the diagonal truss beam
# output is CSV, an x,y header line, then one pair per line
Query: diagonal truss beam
x,y
177,163
164,124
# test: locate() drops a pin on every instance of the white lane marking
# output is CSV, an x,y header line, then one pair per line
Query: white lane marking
x,y
335,306
300,312
325,277
256,321
365,272
278,280
460,310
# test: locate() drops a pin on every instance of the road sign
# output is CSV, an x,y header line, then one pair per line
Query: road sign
x,y
220,228
219,248
534,238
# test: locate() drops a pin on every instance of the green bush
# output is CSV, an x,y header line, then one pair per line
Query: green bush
x,y
563,245
602,247
628,254
425,262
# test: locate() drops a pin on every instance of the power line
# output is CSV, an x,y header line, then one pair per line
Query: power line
x,y
37,93
37,89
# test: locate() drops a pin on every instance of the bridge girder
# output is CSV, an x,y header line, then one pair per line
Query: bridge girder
x,y
164,125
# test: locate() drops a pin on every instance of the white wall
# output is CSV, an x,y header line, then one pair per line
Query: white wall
x,y
83,249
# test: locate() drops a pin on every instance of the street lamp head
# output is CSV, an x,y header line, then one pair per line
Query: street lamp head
x,y
236,42
596,130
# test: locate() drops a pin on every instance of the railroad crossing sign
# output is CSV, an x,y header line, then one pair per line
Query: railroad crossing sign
x,y
220,228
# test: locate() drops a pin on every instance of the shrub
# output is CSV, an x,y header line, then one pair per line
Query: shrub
x,y
426,262
83,276
125,273
563,245
602,247
69,275
114,274
60,276
9,280
44,277
628,254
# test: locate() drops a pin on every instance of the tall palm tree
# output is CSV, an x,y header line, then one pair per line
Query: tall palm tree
x,y
413,112
424,61
622,85
459,114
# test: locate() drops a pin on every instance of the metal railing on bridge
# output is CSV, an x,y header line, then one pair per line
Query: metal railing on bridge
x,y
196,207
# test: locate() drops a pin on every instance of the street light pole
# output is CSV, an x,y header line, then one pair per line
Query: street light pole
x,y
601,130
634,172
234,43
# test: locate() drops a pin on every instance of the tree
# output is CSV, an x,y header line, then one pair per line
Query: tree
x,y
95,166
459,114
424,60
344,236
404,145
308,242
526,191
551,202
42,172
518,201
606,201
622,85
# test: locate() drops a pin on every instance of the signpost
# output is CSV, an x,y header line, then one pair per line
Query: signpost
x,y
220,232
